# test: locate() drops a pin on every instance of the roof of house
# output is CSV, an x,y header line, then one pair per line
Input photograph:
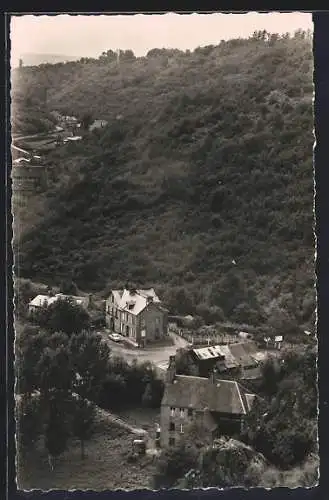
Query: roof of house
x,y
78,299
41,300
221,396
135,301
234,354
242,354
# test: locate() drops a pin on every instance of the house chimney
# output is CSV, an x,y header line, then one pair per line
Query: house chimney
x,y
171,370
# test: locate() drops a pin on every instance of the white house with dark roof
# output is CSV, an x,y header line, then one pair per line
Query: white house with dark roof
x,y
46,300
137,314
219,406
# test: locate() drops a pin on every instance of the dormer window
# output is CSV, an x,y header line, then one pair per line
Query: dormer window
x,y
182,412
172,411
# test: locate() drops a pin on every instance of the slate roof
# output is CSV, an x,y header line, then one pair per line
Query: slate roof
x,y
41,300
199,393
135,302
241,354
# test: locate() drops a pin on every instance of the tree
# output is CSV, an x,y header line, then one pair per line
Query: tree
x,y
271,376
28,421
225,464
55,371
68,287
56,431
28,352
82,420
281,321
283,427
23,294
172,465
63,315
89,357
179,301
86,121
127,55
184,363
196,436
153,393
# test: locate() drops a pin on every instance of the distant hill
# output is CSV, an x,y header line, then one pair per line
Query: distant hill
x,y
201,184
34,59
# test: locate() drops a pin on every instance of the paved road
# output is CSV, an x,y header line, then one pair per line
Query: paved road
x,y
157,355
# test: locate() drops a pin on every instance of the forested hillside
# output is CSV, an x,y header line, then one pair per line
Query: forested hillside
x,y
201,184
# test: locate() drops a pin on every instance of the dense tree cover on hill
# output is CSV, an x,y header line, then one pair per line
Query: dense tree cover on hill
x,y
200,185
29,111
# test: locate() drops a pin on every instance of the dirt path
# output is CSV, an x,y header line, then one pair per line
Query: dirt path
x,y
104,415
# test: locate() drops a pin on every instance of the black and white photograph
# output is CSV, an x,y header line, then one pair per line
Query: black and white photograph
x,y
163,250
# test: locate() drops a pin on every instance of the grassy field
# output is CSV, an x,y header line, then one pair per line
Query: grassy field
x,y
107,465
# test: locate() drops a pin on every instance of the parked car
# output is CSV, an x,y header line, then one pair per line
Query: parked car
x,y
115,337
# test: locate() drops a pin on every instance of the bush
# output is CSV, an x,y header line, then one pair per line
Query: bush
x,y
172,464
284,427
226,464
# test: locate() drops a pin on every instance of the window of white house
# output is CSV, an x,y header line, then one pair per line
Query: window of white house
x,y
181,429
157,320
171,441
190,412
172,411
182,412
171,426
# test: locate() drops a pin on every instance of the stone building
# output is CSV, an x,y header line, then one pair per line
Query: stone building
x,y
218,406
137,315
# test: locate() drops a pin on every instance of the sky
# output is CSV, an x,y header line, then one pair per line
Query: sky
x,y
89,36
